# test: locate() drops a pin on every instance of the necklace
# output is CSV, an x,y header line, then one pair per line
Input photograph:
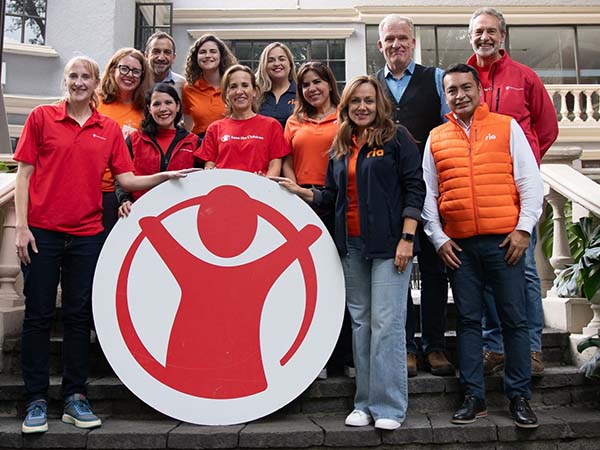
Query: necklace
x,y
325,114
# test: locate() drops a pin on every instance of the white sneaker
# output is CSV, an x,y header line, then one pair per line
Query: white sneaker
x,y
387,424
322,374
358,418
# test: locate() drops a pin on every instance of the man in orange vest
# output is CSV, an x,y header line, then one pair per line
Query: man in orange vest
x,y
484,197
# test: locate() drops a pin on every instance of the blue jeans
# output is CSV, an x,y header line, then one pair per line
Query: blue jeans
x,y
72,260
434,298
378,319
482,263
492,331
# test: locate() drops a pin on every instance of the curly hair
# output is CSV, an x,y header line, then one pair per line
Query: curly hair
x,y
193,71
324,72
379,132
262,77
109,89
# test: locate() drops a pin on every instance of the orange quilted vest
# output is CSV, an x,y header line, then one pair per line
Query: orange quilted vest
x,y
477,189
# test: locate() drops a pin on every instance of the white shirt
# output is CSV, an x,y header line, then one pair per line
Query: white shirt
x,y
527,180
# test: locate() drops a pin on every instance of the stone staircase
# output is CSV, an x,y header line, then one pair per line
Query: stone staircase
x,y
566,402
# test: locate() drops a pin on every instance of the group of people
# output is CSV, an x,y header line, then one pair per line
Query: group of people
x,y
411,161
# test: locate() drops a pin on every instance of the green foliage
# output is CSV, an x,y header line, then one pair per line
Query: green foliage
x,y
583,277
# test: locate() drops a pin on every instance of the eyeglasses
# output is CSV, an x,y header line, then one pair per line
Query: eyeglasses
x,y
124,70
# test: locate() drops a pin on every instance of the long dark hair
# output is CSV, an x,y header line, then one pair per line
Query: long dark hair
x,y
324,72
149,126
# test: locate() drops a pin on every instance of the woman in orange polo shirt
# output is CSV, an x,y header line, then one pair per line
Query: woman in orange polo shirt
x,y
310,131
313,125
205,65
122,89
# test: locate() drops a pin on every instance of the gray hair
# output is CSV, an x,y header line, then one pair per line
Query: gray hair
x,y
391,18
490,12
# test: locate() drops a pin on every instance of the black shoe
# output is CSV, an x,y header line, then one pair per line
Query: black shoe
x,y
522,414
471,409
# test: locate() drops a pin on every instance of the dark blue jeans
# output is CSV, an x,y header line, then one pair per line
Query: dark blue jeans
x,y
72,260
434,297
482,263
492,331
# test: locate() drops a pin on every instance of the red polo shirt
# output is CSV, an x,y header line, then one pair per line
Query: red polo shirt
x,y
65,189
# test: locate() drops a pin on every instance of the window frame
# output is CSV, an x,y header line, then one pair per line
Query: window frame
x,y
25,17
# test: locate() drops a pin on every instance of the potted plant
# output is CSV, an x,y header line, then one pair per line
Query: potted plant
x,y
582,278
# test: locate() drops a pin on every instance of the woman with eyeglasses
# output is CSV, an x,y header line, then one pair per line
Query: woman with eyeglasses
x,y
123,86
207,61
243,140
276,79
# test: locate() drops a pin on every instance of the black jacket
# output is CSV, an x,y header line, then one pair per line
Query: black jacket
x,y
390,187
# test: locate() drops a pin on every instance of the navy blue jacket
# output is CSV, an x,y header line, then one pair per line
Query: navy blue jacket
x,y
390,187
282,110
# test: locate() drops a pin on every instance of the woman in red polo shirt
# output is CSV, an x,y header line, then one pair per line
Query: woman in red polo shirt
x,y
205,65
244,140
62,154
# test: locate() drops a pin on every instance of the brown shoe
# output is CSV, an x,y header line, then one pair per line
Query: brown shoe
x,y
438,364
492,362
411,365
537,364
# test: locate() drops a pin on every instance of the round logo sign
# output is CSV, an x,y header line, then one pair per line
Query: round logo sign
x,y
219,299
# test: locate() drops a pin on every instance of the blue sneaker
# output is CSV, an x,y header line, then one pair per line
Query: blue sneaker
x,y
79,413
35,420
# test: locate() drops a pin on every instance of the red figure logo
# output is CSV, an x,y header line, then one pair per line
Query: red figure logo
x,y
214,349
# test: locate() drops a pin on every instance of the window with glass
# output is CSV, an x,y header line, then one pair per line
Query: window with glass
x,y
151,17
25,21
329,51
560,54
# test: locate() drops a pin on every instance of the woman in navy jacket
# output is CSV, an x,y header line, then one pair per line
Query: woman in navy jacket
x,y
374,182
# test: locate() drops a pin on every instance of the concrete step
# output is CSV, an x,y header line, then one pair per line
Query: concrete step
x,y
560,386
560,428
555,345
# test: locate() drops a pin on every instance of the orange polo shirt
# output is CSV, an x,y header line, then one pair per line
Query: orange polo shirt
x,y
129,120
310,142
202,102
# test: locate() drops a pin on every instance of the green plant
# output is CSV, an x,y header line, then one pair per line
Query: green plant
x,y
582,278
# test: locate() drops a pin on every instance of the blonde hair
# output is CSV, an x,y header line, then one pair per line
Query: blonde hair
x,y
93,69
379,132
225,84
262,77
109,89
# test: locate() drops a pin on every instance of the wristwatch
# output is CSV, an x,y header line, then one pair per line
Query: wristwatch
x,y
407,237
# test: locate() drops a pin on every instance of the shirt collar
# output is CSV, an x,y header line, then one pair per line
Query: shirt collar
x,y
169,78
410,69
63,115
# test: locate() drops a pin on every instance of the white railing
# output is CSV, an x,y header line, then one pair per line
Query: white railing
x,y
576,104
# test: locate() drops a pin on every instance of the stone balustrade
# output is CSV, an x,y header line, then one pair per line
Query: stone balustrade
x,y
563,183
11,301
576,104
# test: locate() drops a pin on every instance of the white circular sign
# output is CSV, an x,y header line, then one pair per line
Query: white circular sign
x,y
219,299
